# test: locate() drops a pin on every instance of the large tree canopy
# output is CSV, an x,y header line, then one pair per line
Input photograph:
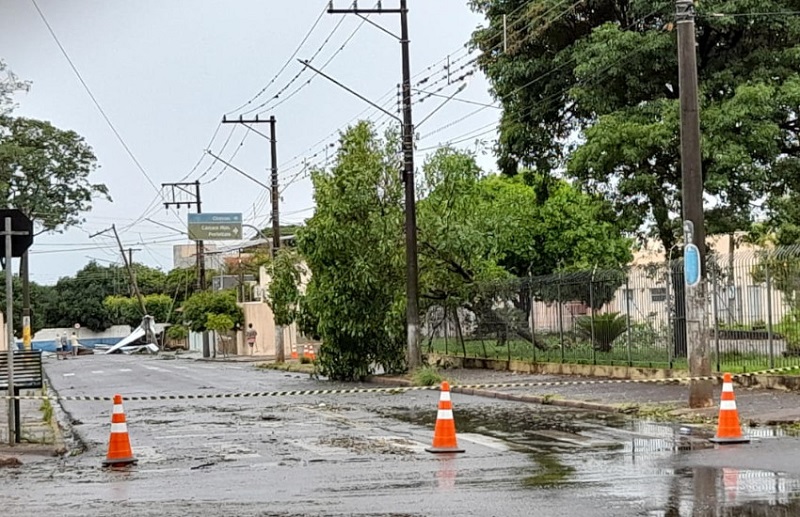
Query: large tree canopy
x,y
44,170
594,86
481,227
353,246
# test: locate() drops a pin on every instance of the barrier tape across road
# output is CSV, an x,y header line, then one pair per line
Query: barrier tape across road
x,y
398,389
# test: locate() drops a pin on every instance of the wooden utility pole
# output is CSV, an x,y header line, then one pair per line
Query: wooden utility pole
x,y
280,355
183,194
700,392
413,355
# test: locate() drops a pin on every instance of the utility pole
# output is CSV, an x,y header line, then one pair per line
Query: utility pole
x,y
180,191
26,301
130,261
128,266
280,356
131,272
700,392
413,357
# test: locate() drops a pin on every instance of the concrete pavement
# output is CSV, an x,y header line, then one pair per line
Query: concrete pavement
x,y
757,406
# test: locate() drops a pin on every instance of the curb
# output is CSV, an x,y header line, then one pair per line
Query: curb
x,y
62,421
531,399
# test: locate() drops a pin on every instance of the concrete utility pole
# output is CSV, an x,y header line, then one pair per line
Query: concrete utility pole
x,y
414,357
179,192
280,355
700,392
131,272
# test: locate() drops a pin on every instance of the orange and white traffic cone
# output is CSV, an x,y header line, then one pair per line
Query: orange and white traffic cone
x,y
444,435
730,480
729,430
119,444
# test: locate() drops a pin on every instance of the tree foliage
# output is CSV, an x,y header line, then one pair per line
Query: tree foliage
x,y
284,288
80,298
44,171
477,228
9,84
353,247
125,310
606,71
41,298
196,309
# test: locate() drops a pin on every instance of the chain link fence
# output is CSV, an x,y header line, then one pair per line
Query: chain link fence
x,y
634,316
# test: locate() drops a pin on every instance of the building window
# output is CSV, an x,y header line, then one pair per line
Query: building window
x,y
658,294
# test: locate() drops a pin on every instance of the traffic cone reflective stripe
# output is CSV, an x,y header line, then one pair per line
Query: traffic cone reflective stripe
x,y
119,444
729,430
444,435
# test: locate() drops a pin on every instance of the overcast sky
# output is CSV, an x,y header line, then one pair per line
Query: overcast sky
x,y
166,72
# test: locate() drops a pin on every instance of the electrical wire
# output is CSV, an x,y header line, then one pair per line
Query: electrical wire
x,y
298,74
285,65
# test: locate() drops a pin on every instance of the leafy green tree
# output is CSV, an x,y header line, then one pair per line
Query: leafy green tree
x,y
41,297
196,309
150,280
221,324
79,299
284,288
9,84
181,283
177,332
124,310
477,228
353,246
607,72
44,171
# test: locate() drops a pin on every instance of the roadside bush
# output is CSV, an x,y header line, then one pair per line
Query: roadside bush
x,y
607,328
426,376
789,328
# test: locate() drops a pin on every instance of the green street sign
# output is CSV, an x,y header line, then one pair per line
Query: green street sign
x,y
215,227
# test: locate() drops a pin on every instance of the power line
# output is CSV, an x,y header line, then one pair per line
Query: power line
x,y
94,99
286,64
298,74
322,67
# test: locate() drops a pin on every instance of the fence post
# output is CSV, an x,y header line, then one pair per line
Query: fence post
x,y
769,317
533,324
715,308
560,317
591,321
669,314
446,328
628,317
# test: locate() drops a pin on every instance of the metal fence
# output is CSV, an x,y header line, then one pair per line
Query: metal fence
x,y
631,317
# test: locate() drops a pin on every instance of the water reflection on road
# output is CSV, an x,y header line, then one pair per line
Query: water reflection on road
x,y
615,456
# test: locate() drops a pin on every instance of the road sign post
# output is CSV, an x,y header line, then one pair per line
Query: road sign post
x,y
215,227
17,238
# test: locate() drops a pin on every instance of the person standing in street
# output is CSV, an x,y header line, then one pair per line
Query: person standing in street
x,y
251,336
74,343
59,346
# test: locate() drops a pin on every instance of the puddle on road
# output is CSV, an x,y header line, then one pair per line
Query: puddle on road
x,y
618,455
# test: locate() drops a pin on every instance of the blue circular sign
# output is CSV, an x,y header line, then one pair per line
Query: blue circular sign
x,y
691,265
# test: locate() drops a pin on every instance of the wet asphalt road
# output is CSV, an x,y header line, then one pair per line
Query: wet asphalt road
x,y
363,454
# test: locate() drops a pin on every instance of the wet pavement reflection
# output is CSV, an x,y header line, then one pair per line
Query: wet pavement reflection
x,y
615,455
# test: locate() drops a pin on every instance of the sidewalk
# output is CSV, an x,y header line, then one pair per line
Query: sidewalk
x,y
40,437
757,406
198,356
